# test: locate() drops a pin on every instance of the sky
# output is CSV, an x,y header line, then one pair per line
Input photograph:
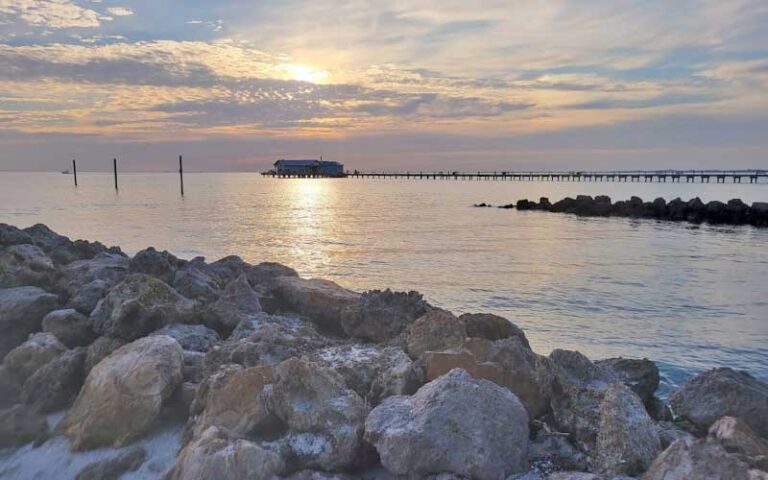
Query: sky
x,y
384,85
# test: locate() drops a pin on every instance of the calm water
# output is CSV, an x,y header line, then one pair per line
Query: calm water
x,y
690,298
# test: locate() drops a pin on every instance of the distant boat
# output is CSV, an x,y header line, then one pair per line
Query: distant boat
x,y
65,172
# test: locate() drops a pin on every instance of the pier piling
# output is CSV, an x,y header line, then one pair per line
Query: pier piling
x,y
114,168
74,170
181,175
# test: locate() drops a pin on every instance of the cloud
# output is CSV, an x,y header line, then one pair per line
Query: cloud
x,y
120,11
53,14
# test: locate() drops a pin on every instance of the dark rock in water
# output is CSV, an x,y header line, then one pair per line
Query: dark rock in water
x,y
482,205
139,305
100,349
492,327
689,459
31,355
55,385
238,301
71,327
161,265
721,392
197,338
21,312
19,425
25,265
10,235
10,388
525,204
642,376
454,424
436,330
382,315
113,468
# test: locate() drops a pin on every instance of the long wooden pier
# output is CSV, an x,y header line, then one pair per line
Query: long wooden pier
x,y
672,176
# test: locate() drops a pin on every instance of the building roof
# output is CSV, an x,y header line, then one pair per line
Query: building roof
x,y
297,163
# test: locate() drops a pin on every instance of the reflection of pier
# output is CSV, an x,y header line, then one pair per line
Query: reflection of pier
x,y
648,176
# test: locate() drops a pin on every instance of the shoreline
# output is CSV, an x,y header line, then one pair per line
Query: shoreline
x,y
284,377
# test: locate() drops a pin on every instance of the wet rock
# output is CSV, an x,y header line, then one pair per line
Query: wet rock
x,y
627,442
138,305
100,349
321,300
28,357
325,419
373,371
71,327
642,376
238,301
195,280
455,424
113,468
696,460
19,425
721,392
161,265
10,235
382,315
55,385
197,338
492,327
86,282
436,330
21,313
124,393
25,265
10,388
737,437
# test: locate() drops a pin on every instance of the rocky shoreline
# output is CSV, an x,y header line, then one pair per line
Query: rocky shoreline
x,y
275,376
734,212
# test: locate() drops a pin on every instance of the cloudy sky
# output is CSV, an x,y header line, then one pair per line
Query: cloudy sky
x,y
420,84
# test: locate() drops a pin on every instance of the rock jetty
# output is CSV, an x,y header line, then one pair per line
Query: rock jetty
x,y
734,212
279,377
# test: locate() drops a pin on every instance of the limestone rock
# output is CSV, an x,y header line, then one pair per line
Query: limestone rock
x,y
87,281
627,442
28,357
737,437
455,424
71,327
492,327
382,315
139,305
697,460
100,349
195,280
321,300
124,393
197,338
21,313
214,455
554,452
25,265
720,392
113,468
10,388
642,376
238,301
10,235
55,385
161,265
436,330
20,424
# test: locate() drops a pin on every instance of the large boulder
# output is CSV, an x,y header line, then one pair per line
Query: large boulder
x,y
161,265
324,419
455,424
139,305
506,362
100,349
238,301
215,455
55,385
124,393
113,468
196,338
321,300
86,282
737,437
689,459
382,315
45,238
642,376
628,441
28,357
24,265
720,392
71,327
436,330
195,280
21,312
11,235
20,424
492,327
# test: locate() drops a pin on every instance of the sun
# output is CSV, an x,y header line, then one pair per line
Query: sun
x,y
303,73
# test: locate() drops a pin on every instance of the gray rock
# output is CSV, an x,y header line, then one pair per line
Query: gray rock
x,y
197,338
455,424
321,300
238,302
382,315
492,327
195,280
737,437
55,385
25,265
10,388
86,281
124,393
71,327
721,392
45,238
21,312
10,235
20,424
556,453
28,357
436,330
315,475
642,376
161,265
100,349
697,460
194,366
113,468
628,441
138,305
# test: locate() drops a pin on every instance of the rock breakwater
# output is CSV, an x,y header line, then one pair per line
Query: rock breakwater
x,y
278,377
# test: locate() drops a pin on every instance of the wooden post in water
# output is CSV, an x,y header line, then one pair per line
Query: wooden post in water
x,y
74,170
114,167
181,175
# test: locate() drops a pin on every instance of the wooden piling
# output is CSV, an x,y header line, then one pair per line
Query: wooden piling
x,y
74,170
114,168
181,175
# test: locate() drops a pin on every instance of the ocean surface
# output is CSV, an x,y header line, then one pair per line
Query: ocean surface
x,y
689,297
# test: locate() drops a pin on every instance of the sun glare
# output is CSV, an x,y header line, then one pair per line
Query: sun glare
x,y
304,73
